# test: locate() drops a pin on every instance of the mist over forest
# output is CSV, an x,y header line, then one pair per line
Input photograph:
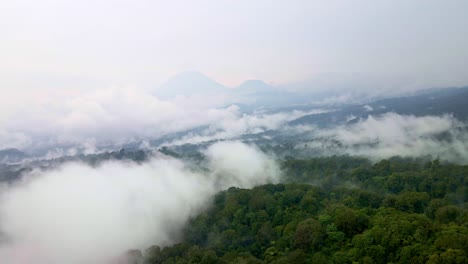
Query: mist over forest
x,y
149,132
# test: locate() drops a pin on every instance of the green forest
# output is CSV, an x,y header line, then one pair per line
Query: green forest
x,y
337,209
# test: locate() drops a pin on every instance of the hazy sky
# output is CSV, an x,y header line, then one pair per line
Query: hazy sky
x,y
86,44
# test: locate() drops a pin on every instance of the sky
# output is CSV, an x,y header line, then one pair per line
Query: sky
x,y
85,71
65,45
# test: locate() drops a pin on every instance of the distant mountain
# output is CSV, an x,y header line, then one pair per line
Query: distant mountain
x,y
254,86
429,102
257,93
250,95
351,88
11,155
188,84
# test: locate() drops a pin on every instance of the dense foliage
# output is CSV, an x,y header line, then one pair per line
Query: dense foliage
x,y
334,210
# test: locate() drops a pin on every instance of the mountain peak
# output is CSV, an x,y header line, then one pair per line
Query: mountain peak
x,y
253,83
255,86
189,83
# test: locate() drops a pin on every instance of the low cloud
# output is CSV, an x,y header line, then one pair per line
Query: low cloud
x,y
79,214
239,164
239,123
84,122
396,135
110,116
368,108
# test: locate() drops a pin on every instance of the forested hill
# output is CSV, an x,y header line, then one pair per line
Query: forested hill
x,y
429,102
334,210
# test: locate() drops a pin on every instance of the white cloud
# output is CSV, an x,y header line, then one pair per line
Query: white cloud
x,y
397,135
368,108
79,214
236,163
113,115
238,123
105,119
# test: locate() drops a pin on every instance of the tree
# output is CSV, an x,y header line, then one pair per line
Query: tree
x,y
350,222
309,235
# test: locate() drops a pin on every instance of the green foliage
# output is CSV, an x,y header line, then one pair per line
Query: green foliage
x,y
334,210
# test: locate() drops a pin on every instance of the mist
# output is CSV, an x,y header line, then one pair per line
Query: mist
x,y
112,117
391,134
79,214
239,124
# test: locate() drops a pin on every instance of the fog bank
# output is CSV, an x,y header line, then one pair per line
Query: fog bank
x,y
391,134
78,214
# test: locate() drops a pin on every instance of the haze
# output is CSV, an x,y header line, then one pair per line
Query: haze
x,y
121,121
89,44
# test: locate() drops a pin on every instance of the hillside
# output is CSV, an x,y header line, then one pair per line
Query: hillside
x,y
437,102
395,211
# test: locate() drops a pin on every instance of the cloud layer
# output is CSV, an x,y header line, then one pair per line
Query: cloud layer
x,y
395,135
114,115
81,122
78,214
